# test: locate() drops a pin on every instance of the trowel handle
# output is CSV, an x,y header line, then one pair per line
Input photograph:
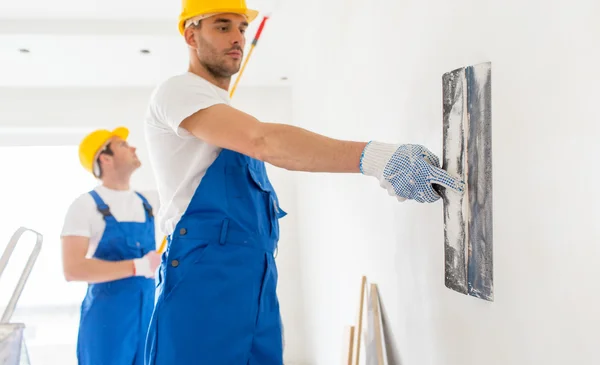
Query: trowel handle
x,y
439,190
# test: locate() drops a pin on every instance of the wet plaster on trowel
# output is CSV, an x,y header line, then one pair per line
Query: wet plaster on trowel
x,y
455,205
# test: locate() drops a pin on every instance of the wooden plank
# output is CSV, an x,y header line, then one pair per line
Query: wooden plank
x,y
377,325
359,325
348,345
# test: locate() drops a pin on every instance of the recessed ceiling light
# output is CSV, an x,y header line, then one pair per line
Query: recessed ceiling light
x,y
144,51
24,50
283,78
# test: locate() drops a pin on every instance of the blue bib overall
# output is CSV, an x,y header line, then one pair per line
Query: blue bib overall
x,y
115,315
216,297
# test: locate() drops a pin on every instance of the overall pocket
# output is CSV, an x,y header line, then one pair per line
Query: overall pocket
x,y
260,178
249,201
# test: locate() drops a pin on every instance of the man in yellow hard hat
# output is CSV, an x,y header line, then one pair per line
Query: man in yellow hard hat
x,y
217,301
109,241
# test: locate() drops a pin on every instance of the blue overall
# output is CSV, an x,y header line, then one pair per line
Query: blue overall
x,y
216,297
115,315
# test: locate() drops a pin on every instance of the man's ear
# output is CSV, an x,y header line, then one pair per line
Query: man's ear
x,y
104,159
189,37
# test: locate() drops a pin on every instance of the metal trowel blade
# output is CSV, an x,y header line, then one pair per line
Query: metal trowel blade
x,y
467,153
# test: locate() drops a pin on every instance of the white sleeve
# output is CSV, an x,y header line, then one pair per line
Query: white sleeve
x,y
181,98
78,220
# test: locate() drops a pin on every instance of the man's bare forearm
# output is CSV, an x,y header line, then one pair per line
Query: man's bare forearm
x,y
298,149
98,271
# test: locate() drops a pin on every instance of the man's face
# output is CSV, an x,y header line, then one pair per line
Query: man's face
x,y
219,43
124,160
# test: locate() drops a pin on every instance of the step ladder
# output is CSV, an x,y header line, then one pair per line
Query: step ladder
x,y
12,345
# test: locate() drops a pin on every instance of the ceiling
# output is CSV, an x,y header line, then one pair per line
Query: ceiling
x,y
108,43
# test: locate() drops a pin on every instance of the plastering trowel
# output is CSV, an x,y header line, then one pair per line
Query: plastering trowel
x,y
467,153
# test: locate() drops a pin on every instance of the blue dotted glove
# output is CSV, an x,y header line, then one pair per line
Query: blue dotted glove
x,y
407,171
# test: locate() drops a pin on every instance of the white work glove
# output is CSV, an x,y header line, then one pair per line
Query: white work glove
x,y
407,171
146,266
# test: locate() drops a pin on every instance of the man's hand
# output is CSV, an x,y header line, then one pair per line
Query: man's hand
x,y
407,171
146,266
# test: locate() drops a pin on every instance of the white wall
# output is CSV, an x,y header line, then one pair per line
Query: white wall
x,y
33,116
55,116
372,70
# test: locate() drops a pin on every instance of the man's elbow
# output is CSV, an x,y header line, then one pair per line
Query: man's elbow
x,y
259,148
267,147
69,276
72,273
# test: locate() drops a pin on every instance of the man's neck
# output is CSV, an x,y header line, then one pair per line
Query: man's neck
x,y
116,184
222,83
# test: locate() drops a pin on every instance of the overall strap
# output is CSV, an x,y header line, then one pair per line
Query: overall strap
x,y
101,205
147,206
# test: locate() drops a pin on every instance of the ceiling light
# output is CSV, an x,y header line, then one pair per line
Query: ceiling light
x,y
23,50
144,51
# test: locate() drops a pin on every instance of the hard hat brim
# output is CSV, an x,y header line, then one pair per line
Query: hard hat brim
x,y
120,132
250,14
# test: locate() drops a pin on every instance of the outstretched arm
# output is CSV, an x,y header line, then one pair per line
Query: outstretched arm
x,y
406,171
281,145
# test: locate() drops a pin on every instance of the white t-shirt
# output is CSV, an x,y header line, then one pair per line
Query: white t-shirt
x,y
179,159
84,219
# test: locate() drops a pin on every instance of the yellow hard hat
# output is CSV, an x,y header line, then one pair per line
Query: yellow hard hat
x,y
194,8
91,144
